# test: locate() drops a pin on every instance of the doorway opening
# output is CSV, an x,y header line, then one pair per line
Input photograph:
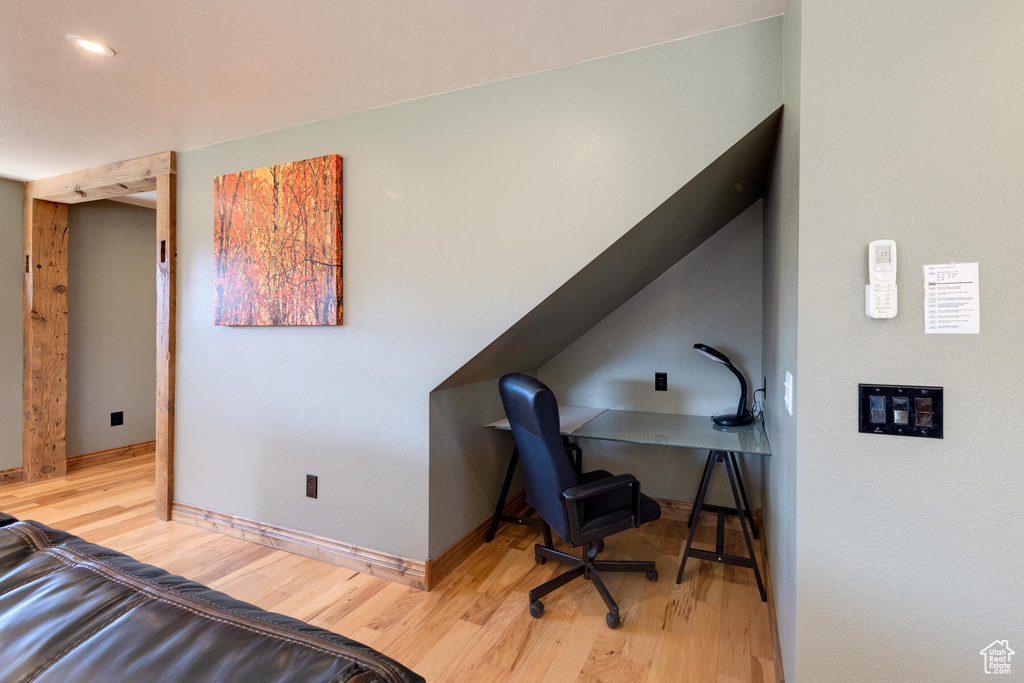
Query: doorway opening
x,y
45,309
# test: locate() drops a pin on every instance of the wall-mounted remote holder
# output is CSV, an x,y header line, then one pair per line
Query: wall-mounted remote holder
x,y
900,411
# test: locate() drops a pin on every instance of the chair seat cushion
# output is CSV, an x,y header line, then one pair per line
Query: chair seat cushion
x,y
612,511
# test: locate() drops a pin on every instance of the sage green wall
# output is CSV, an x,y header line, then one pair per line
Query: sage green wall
x,y
779,344
462,212
909,550
711,296
468,463
111,325
12,261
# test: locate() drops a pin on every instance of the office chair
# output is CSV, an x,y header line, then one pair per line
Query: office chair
x,y
583,508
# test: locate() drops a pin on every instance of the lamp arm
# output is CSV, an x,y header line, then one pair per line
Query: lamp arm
x,y
741,410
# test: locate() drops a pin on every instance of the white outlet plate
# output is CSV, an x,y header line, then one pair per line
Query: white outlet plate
x,y
789,391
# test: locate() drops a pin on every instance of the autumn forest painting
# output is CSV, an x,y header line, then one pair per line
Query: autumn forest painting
x,y
277,238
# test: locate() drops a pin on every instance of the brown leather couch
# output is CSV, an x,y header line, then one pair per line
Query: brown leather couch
x,y
74,611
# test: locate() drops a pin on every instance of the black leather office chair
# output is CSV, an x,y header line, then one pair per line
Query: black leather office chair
x,y
583,508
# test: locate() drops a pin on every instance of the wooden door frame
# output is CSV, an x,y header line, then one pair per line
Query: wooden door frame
x,y
45,309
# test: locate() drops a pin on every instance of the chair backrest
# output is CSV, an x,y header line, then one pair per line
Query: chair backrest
x,y
533,414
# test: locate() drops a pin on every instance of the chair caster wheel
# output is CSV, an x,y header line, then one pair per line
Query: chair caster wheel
x,y
653,576
536,609
612,619
539,559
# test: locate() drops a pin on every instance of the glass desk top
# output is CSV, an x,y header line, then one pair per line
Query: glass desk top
x,y
681,431
658,429
570,418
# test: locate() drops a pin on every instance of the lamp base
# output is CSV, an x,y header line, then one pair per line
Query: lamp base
x,y
732,420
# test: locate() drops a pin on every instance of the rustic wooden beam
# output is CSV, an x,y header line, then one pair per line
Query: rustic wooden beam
x,y
166,301
104,182
45,331
44,389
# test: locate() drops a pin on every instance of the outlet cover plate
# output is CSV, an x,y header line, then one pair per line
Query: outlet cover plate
x,y
788,384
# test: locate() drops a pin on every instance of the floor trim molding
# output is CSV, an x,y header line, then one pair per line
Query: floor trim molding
x,y
773,623
679,511
367,560
11,476
443,565
77,462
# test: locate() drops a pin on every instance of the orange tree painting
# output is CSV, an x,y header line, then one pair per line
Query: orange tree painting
x,y
277,234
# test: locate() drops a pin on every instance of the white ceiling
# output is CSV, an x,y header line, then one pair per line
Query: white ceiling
x,y
190,73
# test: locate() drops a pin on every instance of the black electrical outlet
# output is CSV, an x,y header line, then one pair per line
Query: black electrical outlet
x,y
310,486
900,411
117,418
661,381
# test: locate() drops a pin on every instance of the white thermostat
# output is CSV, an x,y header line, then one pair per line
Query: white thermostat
x,y
880,293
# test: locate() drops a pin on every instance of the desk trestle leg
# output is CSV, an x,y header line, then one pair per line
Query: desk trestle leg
x,y
728,511
727,459
575,454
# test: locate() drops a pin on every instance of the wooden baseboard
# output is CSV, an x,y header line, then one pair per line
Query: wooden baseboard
x,y
367,560
679,511
77,462
11,476
442,565
773,623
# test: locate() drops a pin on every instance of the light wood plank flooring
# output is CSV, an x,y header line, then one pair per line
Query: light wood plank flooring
x,y
475,625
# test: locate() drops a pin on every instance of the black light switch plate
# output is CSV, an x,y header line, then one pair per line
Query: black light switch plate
x,y
311,486
900,410
661,381
117,418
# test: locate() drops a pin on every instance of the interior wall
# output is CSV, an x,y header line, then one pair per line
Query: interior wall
x,y
712,296
779,348
468,463
461,213
12,257
910,129
111,325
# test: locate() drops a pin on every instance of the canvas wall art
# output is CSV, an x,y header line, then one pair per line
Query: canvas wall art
x,y
277,242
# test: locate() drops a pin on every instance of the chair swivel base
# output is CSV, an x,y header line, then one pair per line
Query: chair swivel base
x,y
588,567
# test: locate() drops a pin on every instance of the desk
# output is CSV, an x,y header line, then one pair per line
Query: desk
x,y
663,429
656,429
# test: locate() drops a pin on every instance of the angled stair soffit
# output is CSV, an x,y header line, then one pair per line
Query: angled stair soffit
x,y
707,203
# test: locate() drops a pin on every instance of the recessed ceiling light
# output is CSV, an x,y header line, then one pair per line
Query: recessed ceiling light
x,y
91,46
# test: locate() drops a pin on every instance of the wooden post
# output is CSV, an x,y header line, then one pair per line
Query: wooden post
x,y
166,288
45,331
44,389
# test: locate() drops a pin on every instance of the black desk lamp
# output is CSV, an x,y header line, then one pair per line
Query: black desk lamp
x,y
742,417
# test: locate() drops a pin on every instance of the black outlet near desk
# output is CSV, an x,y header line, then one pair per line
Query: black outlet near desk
x,y
900,410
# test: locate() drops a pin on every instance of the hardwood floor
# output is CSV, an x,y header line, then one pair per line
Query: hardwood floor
x,y
474,626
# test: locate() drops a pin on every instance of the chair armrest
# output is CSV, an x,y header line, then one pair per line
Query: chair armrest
x,y
597,487
575,496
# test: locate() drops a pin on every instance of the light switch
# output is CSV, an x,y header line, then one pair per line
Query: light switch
x,y
923,412
901,410
878,410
